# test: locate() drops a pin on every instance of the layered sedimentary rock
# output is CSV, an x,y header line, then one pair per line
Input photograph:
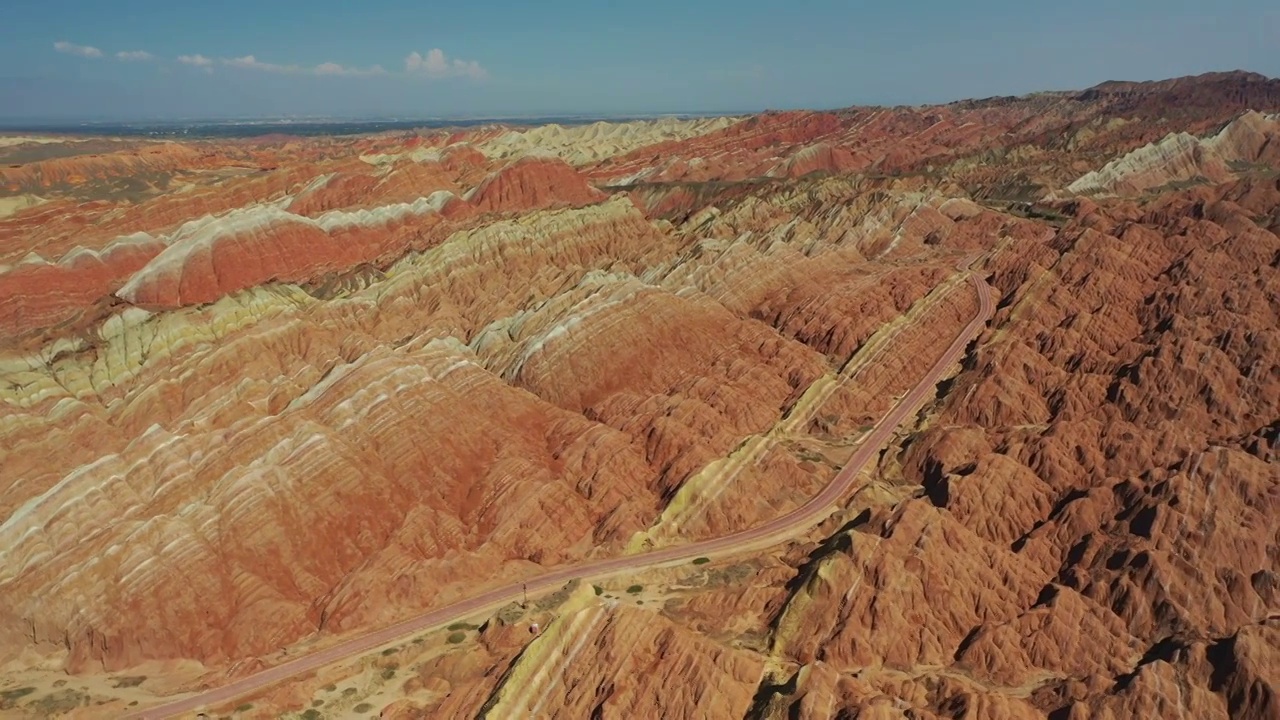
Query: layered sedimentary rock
x,y
613,659
282,391
1250,139
78,169
36,294
585,143
159,419
213,257
531,184
1005,148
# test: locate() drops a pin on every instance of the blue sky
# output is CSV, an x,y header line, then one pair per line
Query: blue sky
x,y
61,58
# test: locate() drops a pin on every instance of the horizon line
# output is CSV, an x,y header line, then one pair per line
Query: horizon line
x,y
22,123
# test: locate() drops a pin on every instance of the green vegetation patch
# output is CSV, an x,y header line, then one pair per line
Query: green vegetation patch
x,y
557,598
456,637
60,702
510,613
701,560
635,589
8,697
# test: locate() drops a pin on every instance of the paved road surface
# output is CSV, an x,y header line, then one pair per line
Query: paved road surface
x,y
769,533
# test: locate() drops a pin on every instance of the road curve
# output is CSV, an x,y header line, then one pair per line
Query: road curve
x,y
769,533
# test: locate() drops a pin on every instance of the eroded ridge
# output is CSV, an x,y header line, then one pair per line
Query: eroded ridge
x,y
261,397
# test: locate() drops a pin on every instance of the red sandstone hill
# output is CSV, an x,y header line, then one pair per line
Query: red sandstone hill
x,y
1221,92
997,147
164,157
246,413
533,183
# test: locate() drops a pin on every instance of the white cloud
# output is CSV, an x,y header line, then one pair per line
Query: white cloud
x,y
197,60
249,62
332,68
88,51
436,65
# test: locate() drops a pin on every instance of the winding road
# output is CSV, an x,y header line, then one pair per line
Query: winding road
x,y
770,533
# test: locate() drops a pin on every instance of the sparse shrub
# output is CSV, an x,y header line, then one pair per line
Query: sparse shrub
x,y
389,672
59,703
389,651
246,707
11,695
311,714
701,561
599,590
363,708
635,589
317,702
456,637
349,691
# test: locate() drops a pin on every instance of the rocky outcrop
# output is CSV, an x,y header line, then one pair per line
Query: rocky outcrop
x,y
613,659
1009,148
1251,138
63,171
216,256
532,184
818,158
230,415
289,390
1219,92
582,144
36,294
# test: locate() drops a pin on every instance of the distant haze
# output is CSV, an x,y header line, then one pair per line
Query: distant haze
x,y
86,59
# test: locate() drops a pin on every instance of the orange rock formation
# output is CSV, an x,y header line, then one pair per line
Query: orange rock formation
x,y
272,393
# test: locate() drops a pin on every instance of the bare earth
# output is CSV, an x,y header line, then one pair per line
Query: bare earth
x,y
964,411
